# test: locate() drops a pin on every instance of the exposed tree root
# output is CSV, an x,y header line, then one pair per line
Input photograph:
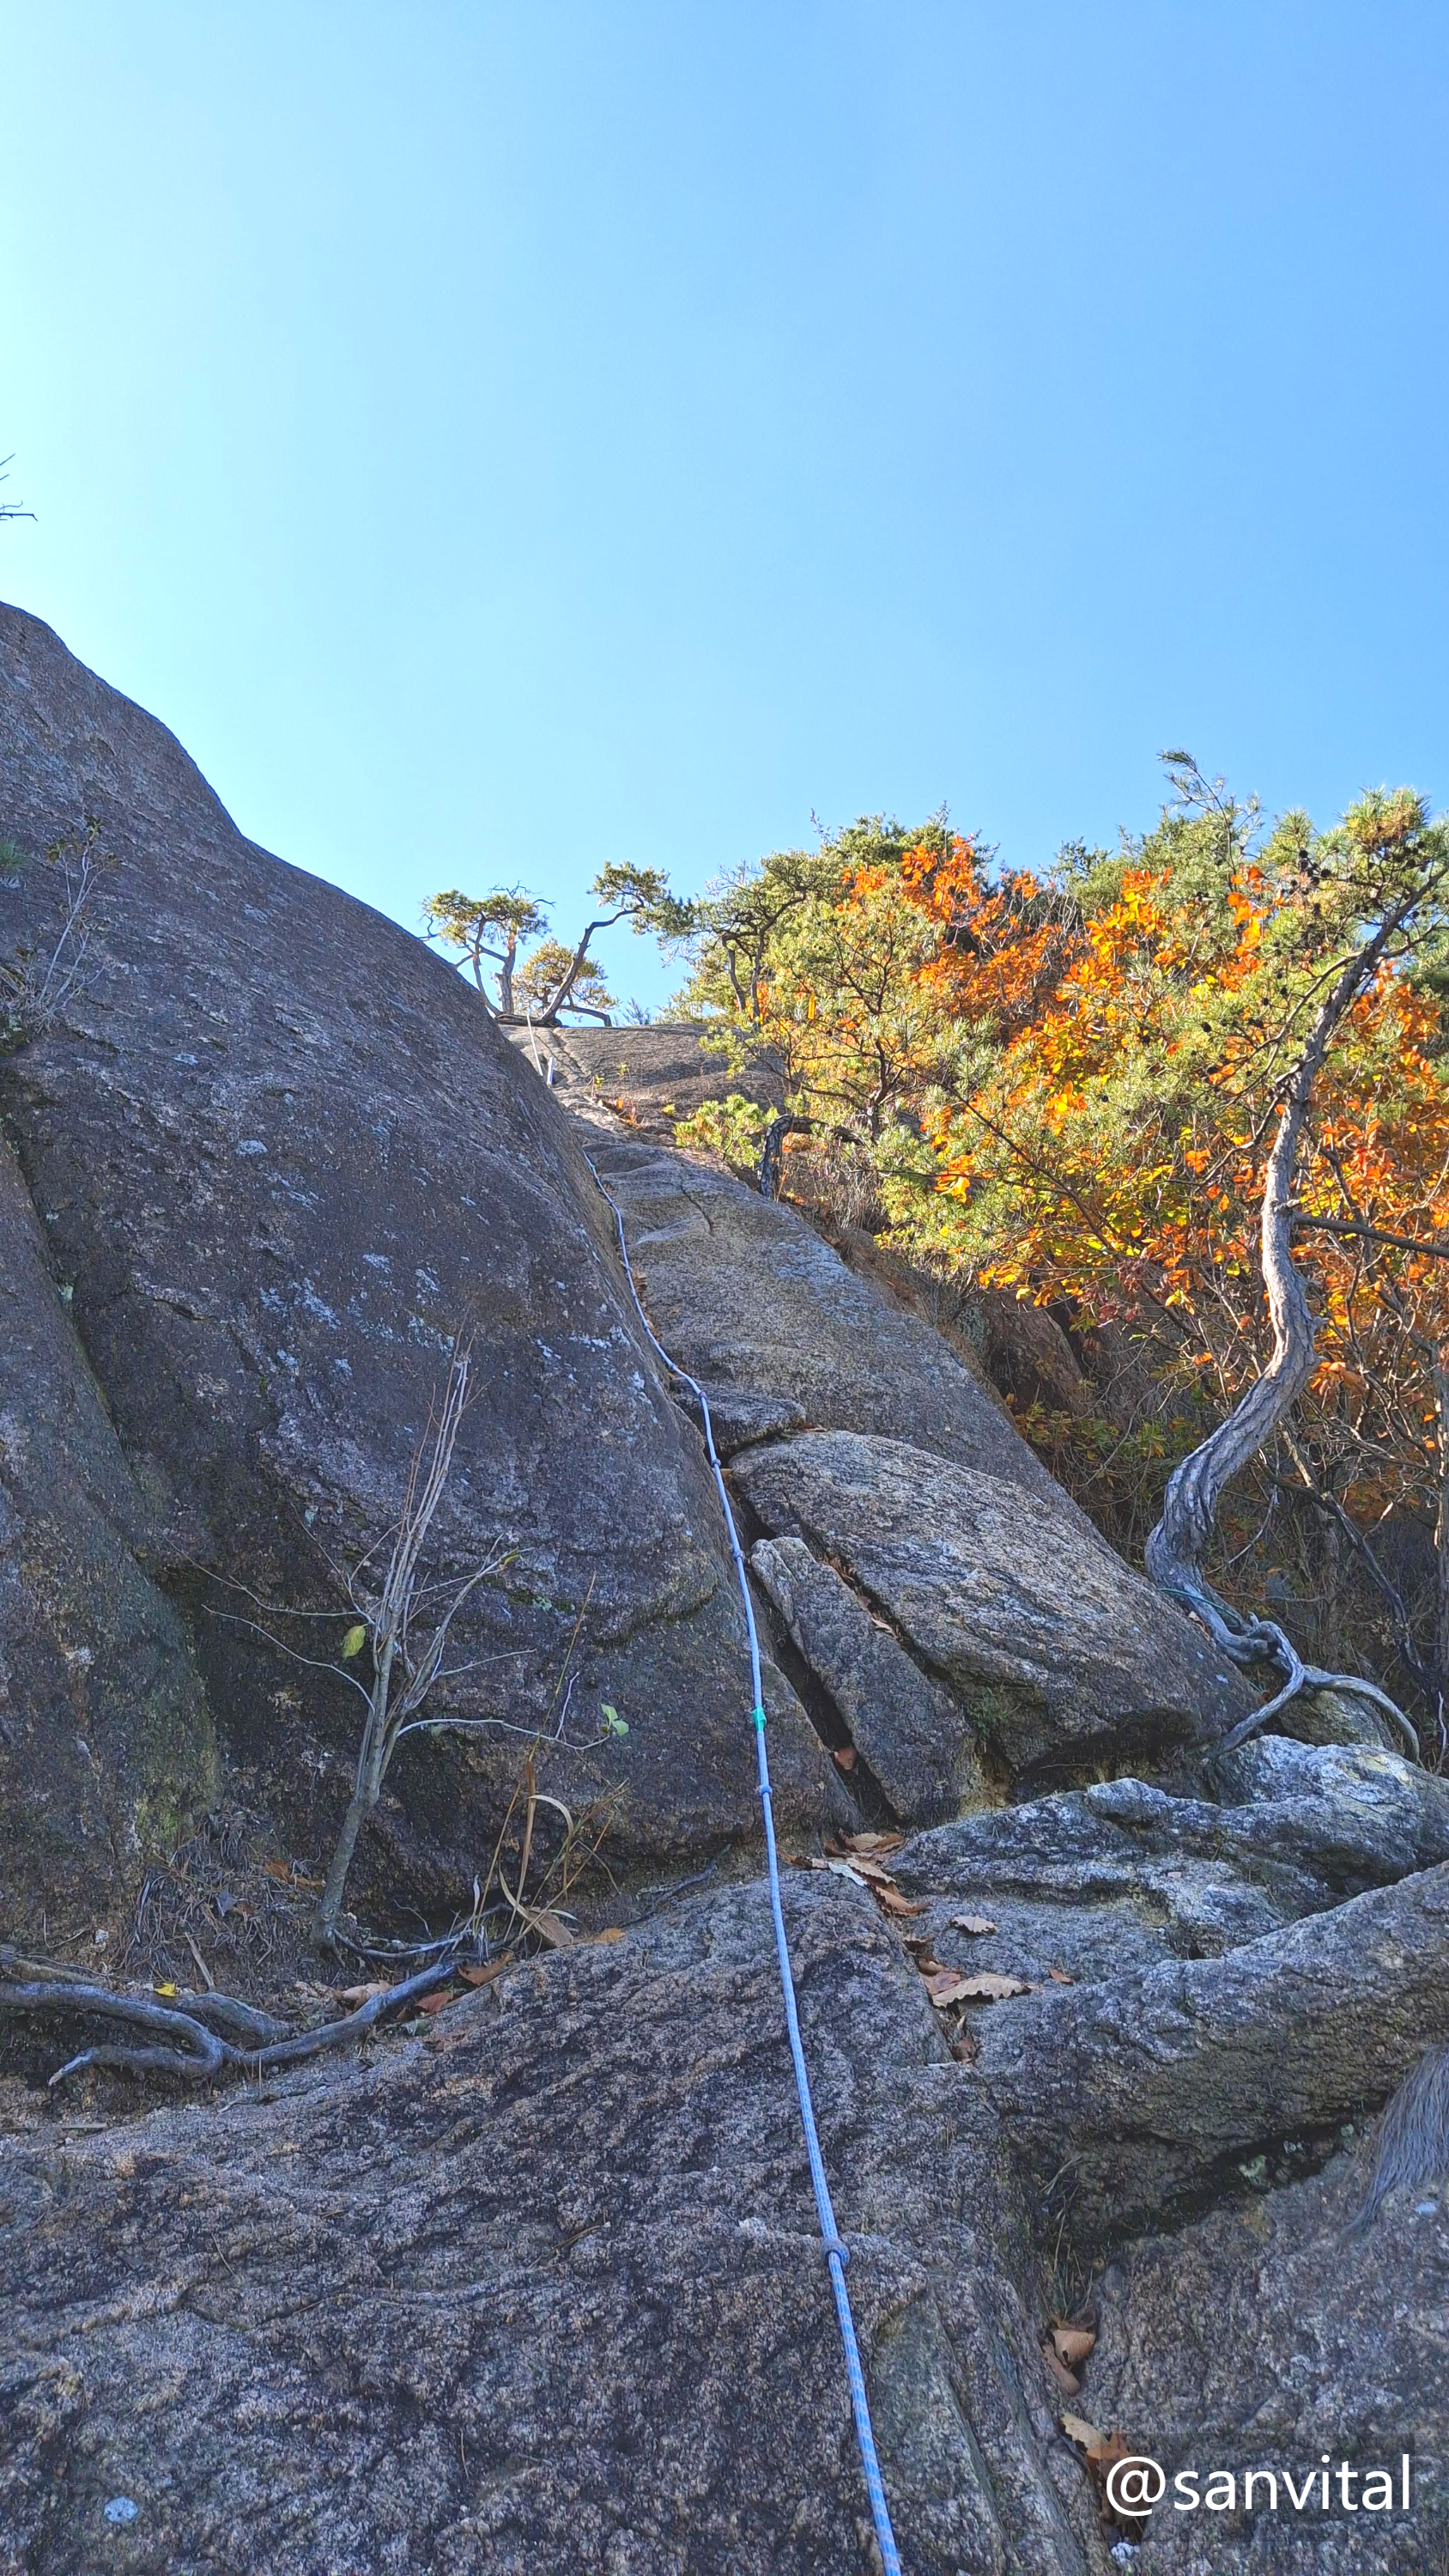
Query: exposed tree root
x,y
182,2042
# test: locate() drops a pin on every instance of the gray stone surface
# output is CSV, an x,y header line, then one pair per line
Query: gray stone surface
x,y
1057,1652
543,2296
105,1736
1266,2335
1355,1816
279,1152
908,1730
1102,1882
1129,2100
737,1421
746,1295
649,1077
538,2294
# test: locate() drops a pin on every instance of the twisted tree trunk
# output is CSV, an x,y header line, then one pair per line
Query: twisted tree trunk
x,y
1175,1549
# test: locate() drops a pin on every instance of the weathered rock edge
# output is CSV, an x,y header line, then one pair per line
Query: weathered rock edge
x,y
1129,2099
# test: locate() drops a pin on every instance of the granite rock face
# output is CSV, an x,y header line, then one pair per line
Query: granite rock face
x,y
279,1154
748,1297
1129,2098
539,2293
106,1741
542,2296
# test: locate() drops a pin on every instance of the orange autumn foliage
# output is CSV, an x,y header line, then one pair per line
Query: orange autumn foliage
x,y
1065,1088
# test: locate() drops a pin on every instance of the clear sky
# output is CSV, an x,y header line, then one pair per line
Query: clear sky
x,y
504,438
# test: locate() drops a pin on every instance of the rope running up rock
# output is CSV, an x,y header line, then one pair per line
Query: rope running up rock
x,y
837,2253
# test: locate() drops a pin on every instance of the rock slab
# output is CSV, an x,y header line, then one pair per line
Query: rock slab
x,y
1055,1650
280,1153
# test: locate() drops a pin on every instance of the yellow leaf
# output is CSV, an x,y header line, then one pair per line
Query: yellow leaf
x,y
165,1990
353,1642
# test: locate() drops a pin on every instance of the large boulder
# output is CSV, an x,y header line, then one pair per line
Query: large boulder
x,y
280,1153
1055,1650
909,1732
1090,1885
1131,2099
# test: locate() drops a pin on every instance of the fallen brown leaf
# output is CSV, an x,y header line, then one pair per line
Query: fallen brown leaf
x,y
356,1995
986,1988
844,1869
611,1932
972,1923
872,1842
434,2002
844,1754
1072,2343
946,1986
1059,1977
286,1876
473,1976
965,2046
891,1901
1085,2435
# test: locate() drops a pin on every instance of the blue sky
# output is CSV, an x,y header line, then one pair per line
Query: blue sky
x,y
502,439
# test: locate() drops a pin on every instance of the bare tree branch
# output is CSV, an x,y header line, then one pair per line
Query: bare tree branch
x,y
1434,1246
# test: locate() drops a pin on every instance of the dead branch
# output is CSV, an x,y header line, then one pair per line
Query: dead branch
x,y
403,1671
34,989
1434,1247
